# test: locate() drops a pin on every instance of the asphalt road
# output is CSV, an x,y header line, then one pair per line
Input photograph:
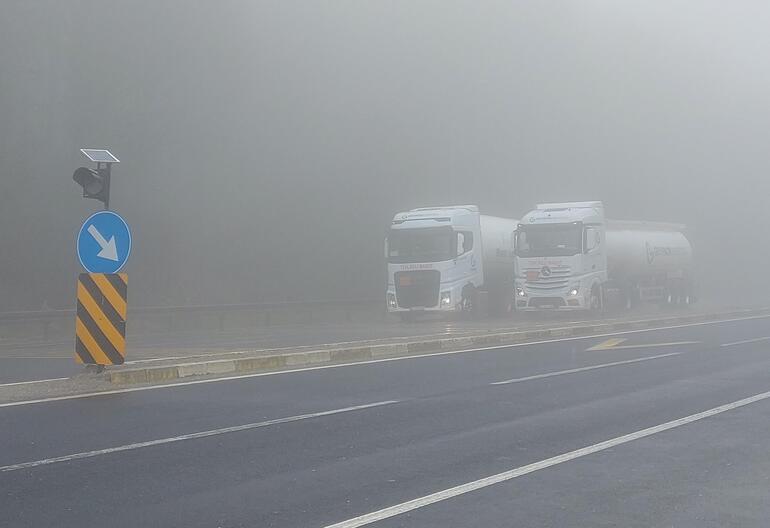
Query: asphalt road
x,y
29,357
532,435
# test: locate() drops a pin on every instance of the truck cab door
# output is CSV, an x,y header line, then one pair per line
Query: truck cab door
x,y
594,254
468,257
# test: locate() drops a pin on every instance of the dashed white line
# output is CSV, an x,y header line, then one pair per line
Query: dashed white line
x,y
746,341
192,436
462,489
584,369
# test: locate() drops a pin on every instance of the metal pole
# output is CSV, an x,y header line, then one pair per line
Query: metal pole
x,y
107,186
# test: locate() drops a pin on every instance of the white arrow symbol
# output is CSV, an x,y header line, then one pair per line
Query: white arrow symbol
x,y
109,249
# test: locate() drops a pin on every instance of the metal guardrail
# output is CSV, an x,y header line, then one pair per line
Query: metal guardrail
x,y
41,315
48,322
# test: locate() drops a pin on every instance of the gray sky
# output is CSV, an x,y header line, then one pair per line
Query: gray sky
x,y
266,145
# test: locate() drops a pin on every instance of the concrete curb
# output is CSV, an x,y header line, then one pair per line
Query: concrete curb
x,y
355,354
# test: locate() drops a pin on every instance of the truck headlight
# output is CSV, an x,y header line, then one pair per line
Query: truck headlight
x,y
392,300
520,292
446,298
573,292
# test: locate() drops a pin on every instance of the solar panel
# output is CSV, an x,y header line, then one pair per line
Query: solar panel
x,y
99,156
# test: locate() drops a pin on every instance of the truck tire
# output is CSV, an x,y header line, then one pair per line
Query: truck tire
x,y
631,296
470,301
677,293
596,301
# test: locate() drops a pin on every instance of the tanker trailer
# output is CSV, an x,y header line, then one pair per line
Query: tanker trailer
x,y
569,257
649,261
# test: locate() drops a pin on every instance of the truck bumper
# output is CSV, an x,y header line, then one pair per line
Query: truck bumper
x,y
529,300
449,300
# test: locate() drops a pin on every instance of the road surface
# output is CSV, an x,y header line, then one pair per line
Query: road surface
x,y
653,428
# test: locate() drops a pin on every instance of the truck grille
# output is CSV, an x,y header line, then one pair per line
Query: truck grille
x,y
558,278
417,288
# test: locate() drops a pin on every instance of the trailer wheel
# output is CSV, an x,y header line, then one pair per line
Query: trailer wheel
x,y
630,295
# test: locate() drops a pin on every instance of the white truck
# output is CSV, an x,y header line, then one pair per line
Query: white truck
x,y
569,257
448,259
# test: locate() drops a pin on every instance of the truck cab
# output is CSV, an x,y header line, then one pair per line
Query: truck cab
x,y
561,258
434,259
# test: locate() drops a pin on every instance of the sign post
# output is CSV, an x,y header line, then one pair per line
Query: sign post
x,y
103,246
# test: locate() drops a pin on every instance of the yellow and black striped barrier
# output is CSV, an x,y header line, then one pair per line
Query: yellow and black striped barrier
x,y
100,328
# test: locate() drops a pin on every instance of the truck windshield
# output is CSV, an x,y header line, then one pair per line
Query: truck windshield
x,y
429,244
555,240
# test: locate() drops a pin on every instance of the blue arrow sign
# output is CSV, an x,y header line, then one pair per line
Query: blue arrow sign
x,y
104,243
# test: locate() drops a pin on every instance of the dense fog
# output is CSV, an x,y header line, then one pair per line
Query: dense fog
x,y
265,146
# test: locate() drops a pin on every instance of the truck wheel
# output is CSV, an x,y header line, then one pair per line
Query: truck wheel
x,y
470,301
595,301
676,293
629,296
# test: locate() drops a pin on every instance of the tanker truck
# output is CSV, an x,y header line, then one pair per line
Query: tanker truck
x,y
569,257
449,259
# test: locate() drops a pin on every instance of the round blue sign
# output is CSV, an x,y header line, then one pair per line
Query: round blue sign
x,y
104,243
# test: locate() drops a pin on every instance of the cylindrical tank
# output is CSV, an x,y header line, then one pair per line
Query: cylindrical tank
x,y
644,250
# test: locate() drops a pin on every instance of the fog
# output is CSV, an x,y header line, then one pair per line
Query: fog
x,y
265,146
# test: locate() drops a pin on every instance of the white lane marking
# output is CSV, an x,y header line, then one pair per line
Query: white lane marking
x,y
33,381
170,358
191,436
462,489
370,362
35,357
746,341
584,369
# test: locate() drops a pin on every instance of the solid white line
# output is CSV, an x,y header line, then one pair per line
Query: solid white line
x,y
35,357
746,341
170,358
583,369
370,362
33,381
192,436
462,489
